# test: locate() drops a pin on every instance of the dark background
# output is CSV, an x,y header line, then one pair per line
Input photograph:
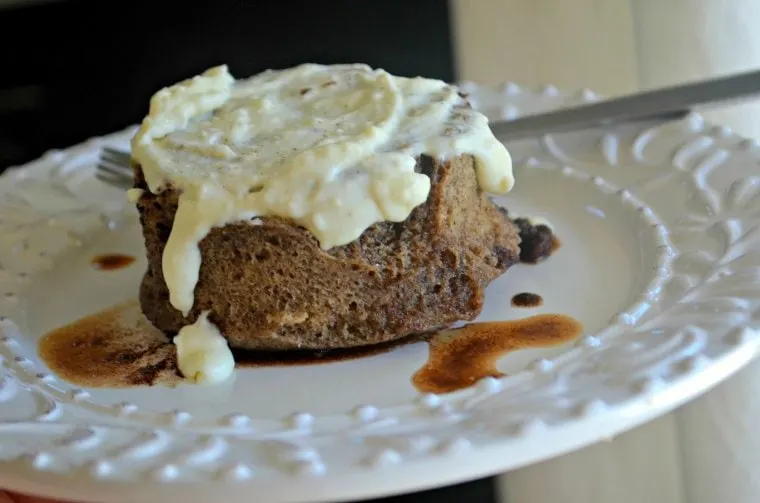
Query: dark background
x,y
77,69
81,68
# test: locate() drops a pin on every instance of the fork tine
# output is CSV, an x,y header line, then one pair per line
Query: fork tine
x,y
113,168
121,162
108,175
117,153
115,181
114,171
115,162
115,165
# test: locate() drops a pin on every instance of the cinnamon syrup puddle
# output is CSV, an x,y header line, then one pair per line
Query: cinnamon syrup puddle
x,y
459,358
111,261
556,245
115,348
527,299
120,348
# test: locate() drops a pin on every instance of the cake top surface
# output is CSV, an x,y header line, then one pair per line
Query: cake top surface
x,y
334,122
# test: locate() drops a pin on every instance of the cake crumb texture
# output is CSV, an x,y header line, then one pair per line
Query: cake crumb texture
x,y
268,285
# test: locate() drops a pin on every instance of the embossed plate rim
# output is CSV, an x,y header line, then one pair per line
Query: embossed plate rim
x,y
456,438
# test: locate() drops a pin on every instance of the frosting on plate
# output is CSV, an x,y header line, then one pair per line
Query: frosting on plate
x,y
203,355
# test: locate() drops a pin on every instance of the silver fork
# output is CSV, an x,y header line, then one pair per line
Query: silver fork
x,y
113,168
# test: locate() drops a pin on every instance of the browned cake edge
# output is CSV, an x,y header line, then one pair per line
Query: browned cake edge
x,y
269,286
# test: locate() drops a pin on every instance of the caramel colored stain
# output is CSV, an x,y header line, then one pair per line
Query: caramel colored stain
x,y
527,299
556,244
459,358
115,348
111,261
120,348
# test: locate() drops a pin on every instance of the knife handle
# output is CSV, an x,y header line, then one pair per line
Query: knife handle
x,y
665,104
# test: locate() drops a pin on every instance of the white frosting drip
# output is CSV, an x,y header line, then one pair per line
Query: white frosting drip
x,y
333,148
203,355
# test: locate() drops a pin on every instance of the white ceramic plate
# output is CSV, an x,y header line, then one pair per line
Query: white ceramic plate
x,y
659,224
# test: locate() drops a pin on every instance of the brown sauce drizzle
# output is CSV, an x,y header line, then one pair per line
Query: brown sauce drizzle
x,y
111,261
459,358
527,299
119,347
115,348
556,245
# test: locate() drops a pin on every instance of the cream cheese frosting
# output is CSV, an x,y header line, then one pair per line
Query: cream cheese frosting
x,y
332,147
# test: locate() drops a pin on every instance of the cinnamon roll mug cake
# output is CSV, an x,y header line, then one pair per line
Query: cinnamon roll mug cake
x,y
320,207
